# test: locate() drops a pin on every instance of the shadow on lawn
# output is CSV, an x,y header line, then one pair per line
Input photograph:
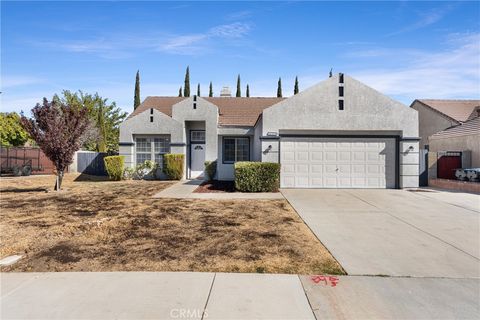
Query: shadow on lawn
x,y
21,190
90,178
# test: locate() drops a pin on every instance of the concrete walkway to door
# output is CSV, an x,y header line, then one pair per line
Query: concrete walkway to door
x,y
185,190
425,233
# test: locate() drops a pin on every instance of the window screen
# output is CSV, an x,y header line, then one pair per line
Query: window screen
x,y
236,149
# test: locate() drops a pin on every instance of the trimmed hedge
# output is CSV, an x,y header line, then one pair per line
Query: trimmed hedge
x,y
257,176
114,166
173,165
210,169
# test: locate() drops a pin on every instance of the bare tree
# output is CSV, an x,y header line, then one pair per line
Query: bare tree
x,y
58,129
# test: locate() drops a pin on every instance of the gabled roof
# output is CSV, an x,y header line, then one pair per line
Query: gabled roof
x,y
162,104
467,128
241,111
232,111
458,110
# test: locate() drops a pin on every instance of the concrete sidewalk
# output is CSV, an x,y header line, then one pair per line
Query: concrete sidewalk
x,y
188,295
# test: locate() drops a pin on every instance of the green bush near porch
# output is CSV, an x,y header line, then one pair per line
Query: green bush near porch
x,y
257,176
173,165
210,169
114,166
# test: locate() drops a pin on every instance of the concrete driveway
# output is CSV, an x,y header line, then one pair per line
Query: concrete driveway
x,y
426,233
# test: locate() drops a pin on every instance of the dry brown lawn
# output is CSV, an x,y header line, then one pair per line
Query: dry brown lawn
x,y
117,226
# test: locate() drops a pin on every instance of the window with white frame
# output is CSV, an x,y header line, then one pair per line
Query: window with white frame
x,y
236,149
197,135
151,148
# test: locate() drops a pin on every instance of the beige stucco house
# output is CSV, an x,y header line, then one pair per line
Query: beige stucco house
x,y
435,115
464,137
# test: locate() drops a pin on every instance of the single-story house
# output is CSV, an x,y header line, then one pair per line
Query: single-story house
x,y
435,115
338,133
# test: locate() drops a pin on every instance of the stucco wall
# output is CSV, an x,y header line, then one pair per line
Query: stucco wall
x,y
317,109
205,111
366,111
430,122
141,125
471,142
175,126
226,171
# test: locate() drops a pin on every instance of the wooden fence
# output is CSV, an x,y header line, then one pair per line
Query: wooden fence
x,y
11,157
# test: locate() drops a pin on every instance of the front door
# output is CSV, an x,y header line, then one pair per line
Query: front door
x,y
197,154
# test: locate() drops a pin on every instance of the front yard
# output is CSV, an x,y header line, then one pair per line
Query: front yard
x,y
117,226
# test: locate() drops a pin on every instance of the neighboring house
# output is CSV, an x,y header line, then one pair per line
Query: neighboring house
x,y
464,137
339,133
435,115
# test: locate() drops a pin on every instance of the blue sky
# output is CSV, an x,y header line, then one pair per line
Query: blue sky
x,y
406,50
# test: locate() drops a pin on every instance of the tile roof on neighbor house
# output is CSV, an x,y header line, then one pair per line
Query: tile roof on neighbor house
x,y
470,127
232,111
459,110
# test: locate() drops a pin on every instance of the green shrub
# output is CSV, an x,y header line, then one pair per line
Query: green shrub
x,y
210,169
173,165
128,173
114,166
257,176
146,170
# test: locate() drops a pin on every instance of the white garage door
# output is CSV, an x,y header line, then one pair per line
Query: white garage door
x,y
337,163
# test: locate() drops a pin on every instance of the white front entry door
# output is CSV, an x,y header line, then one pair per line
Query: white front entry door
x,y
197,160
337,162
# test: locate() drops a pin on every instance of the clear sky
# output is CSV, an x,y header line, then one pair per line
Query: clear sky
x,y
406,50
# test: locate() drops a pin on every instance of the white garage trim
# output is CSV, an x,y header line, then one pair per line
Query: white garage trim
x,y
339,162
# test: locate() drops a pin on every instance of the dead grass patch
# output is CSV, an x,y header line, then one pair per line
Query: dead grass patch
x,y
117,226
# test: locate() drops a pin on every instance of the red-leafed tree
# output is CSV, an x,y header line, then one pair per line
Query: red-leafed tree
x,y
58,130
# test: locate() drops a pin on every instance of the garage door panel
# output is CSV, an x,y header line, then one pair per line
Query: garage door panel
x,y
287,156
344,156
337,163
302,181
316,155
330,156
301,168
302,156
316,168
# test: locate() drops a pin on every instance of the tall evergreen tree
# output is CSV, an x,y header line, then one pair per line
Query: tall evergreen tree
x,y
180,94
295,88
279,88
210,90
186,87
239,90
198,90
136,98
248,91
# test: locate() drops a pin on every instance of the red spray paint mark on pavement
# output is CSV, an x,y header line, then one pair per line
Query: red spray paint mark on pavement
x,y
325,280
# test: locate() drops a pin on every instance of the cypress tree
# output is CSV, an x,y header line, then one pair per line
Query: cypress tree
x,y
198,90
248,91
180,92
186,87
279,88
239,92
136,98
295,88
210,90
